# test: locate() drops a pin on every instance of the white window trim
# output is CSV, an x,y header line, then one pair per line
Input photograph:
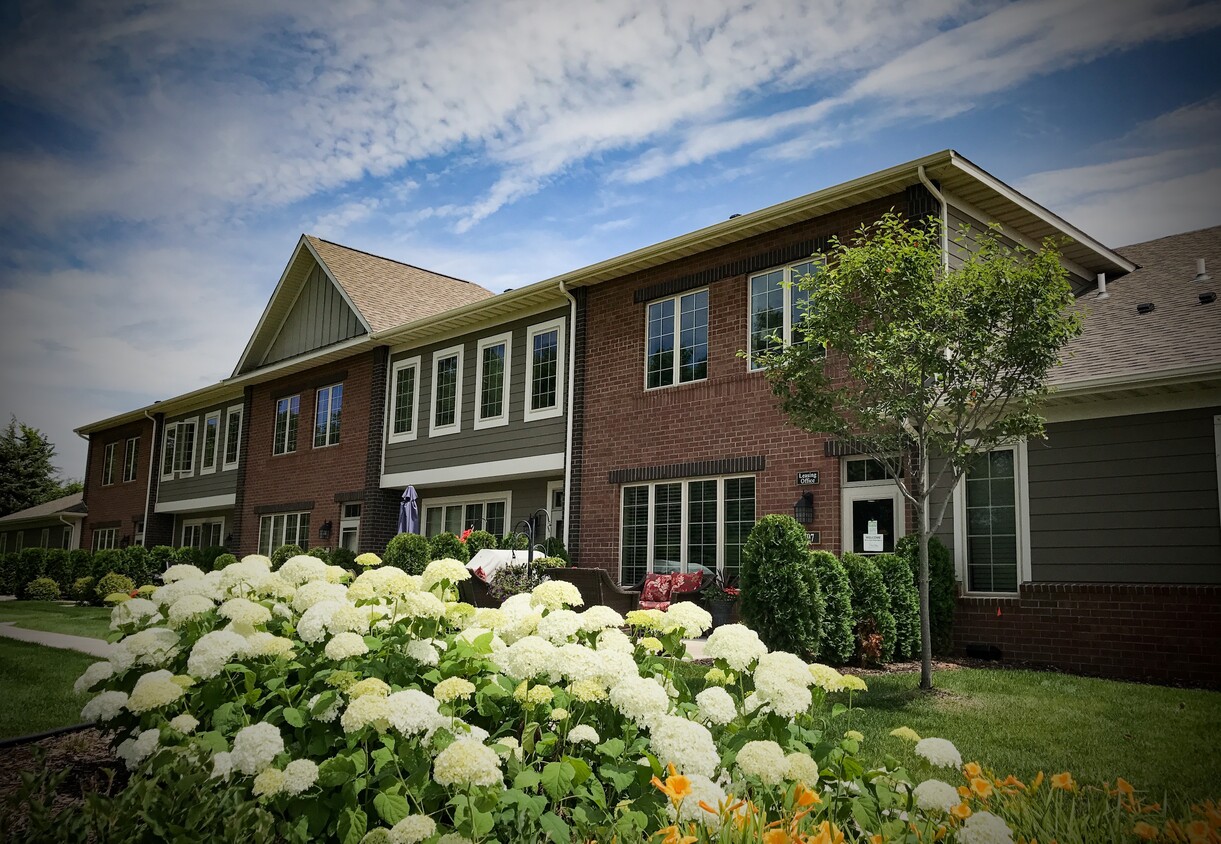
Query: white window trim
x,y
112,539
132,443
552,486
193,424
1021,468
297,539
481,422
169,428
843,472
392,401
275,416
330,401
203,452
108,464
1217,451
44,538
869,490
483,498
678,321
348,522
684,526
528,414
787,285
240,412
435,430
205,521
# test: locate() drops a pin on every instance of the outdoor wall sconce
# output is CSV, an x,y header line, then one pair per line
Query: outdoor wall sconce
x,y
803,508
229,540
324,531
125,541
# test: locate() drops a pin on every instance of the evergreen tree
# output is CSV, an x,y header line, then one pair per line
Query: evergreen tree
x,y
27,475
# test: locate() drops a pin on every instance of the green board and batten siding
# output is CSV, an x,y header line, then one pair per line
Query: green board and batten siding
x,y
516,439
319,317
220,482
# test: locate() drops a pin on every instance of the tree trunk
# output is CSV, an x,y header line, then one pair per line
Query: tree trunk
x,y
926,633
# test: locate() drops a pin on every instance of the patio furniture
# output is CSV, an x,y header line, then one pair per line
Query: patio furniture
x,y
596,587
475,592
660,589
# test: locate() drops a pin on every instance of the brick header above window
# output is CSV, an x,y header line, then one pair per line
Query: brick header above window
x,y
742,266
700,468
343,497
841,448
290,507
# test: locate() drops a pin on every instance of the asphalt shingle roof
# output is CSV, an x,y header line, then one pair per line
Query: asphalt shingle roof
x,y
1180,332
69,503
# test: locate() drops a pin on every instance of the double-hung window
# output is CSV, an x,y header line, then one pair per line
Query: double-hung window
x,y
178,450
104,538
446,392
203,533
211,441
778,304
283,529
990,525
677,340
108,464
328,410
486,511
233,436
687,525
288,410
404,399
492,381
544,386
131,458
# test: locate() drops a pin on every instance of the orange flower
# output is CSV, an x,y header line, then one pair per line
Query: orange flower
x,y
1122,786
1064,782
1145,831
964,792
876,839
962,811
776,836
1013,782
972,770
1198,831
981,787
826,833
676,786
673,835
1038,781
804,797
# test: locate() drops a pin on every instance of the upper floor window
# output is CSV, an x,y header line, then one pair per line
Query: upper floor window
x,y
328,410
777,307
131,457
544,387
284,440
211,440
233,435
446,391
682,322
492,381
404,398
178,450
108,464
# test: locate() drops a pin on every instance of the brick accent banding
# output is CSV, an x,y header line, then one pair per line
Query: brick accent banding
x,y
742,266
309,381
700,468
841,448
347,497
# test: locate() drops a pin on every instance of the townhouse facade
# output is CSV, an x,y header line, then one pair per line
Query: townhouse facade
x,y
619,407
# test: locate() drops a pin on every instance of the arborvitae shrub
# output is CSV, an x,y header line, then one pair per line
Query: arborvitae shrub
x,y
42,589
113,583
837,641
10,573
904,603
33,564
345,558
209,556
409,552
478,540
186,556
447,546
323,554
106,561
781,598
80,563
942,587
281,555
58,568
82,590
875,625
138,564
555,548
223,560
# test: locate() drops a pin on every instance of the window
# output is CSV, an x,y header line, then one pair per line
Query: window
x,y
131,458
283,529
685,318
284,440
865,470
777,306
233,436
203,533
327,413
108,464
3,543
44,540
990,526
685,526
211,439
404,399
446,392
104,538
66,539
178,450
349,528
492,381
18,540
488,512
544,387
169,443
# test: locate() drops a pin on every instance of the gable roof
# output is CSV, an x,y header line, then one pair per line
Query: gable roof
x,y
72,504
1180,337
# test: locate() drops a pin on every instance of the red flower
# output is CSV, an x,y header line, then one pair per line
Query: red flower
x,y
465,534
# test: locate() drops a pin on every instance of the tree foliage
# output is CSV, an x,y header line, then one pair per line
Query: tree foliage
x,y
27,475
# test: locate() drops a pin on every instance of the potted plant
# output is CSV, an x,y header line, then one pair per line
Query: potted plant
x,y
720,594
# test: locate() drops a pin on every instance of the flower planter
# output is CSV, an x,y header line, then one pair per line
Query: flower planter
x,y
721,611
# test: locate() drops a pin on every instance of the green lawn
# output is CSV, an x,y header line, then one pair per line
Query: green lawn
x,y
57,618
37,683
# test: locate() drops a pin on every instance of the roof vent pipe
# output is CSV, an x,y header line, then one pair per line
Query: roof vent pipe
x,y
1102,286
1201,273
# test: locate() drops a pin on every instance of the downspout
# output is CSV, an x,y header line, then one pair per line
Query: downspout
x,y
76,534
945,215
84,484
148,490
572,375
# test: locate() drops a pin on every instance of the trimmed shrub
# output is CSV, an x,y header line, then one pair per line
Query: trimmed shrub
x,y
781,598
186,556
223,560
551,563
281,555
42,589
323,554
904,603
409,552
80,563
138,564
874,623
837,640
513,542
478,540
33,563
113,583
345,558
942,587
161,557
554,547
445,546
209,556
10,568
105,561
82,590
56,568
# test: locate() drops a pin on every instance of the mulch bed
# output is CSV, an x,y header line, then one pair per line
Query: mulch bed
x,y
85,755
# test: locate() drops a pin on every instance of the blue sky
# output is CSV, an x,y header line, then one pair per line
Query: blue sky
x,y
158,160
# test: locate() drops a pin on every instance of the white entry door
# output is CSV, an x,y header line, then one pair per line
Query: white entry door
x,y
873,518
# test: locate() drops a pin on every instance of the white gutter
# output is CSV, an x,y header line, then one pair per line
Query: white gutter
x,y
148,490
1161,378
945,216
76,531
572,377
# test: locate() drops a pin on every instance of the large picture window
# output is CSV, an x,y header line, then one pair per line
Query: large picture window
x,y
488,512
283,529
104,538
327,413
991,537
492,381
446,392
677,340
777,307
288,412
404,399
687,525
544,386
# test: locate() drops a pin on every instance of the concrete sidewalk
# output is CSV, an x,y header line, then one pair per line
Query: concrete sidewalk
x,y
85,644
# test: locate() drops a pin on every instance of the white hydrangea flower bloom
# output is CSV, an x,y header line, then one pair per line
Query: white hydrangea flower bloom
x,y
153,691
348,618
184,723
312,627
583,733
134,751
703,790
104,707
737,644
222,765
693,619
255,747
317,591
782,681
133,611
366,711
826,677
801,767
368,686
763,760
985,828
642,699
244,611
555,595
412,712
337,574
413,829
327,715
268,783
559,626
262,643
526,658
420,605
188,607
685,744
447,569
243,577
614,639
299,776
939,752
453,688
345,645
422,651
599,617
93,675
181,572
467,762
213,651
936,795
716,705
153,647
302,569
454,838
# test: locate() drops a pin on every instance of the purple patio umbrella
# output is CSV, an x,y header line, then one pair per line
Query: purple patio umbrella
x,y
409,511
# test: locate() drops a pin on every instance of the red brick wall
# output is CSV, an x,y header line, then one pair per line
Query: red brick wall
x,y
121,503
308,474
731,414
1132,631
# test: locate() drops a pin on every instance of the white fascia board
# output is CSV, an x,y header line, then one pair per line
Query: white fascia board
x,y
189,505
516,467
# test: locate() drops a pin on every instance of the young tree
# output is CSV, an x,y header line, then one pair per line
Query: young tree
x,y
924,367
27,476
